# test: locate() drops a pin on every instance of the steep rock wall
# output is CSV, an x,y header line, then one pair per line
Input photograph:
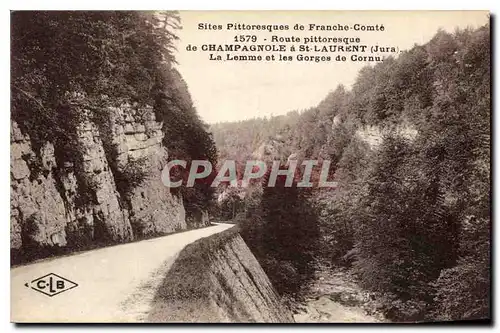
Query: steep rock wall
x,y
218,279
374,135
47,209
134,134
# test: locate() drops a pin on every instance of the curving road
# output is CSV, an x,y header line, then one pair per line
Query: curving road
x,y
115,284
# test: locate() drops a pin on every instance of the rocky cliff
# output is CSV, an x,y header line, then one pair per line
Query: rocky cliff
x,y
51,207
218,279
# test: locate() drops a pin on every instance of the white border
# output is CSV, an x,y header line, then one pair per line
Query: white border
x,y
198,5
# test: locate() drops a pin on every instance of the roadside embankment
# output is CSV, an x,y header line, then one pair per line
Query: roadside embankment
x,y
217,279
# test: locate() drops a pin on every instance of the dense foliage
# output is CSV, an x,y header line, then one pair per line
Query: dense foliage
x,y
187,138
283,233
66,62
410,145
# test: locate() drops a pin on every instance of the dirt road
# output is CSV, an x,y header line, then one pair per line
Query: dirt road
x,y
115,284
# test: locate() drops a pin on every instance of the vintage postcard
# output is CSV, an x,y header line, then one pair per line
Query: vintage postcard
x,y
250,166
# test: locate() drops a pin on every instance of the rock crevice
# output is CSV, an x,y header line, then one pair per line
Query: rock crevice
x,y
48,210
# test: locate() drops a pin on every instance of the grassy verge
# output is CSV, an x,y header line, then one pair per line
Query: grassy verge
x,y
186,287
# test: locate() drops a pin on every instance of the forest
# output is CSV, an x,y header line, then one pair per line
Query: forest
x,y
409,145
104,58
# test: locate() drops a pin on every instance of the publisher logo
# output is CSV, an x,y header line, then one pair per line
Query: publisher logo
x,y
51,284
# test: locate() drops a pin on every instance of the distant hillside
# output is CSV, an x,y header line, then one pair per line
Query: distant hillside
x,y
410,147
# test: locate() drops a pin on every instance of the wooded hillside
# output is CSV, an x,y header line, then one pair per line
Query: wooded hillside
x,y
410,145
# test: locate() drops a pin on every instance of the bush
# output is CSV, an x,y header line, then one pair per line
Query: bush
x,y
131,176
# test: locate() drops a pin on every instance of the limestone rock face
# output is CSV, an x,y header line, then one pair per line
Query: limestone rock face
x,y
270,150
47,209
373,135
38,214
136,136
198,219
218,279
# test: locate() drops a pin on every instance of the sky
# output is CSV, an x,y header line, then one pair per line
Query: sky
x,y
232,90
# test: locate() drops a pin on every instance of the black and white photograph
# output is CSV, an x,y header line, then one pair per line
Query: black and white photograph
x,y
191,166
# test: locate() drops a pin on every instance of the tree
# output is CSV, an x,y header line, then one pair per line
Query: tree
x,y
411,212
285,236
67,61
